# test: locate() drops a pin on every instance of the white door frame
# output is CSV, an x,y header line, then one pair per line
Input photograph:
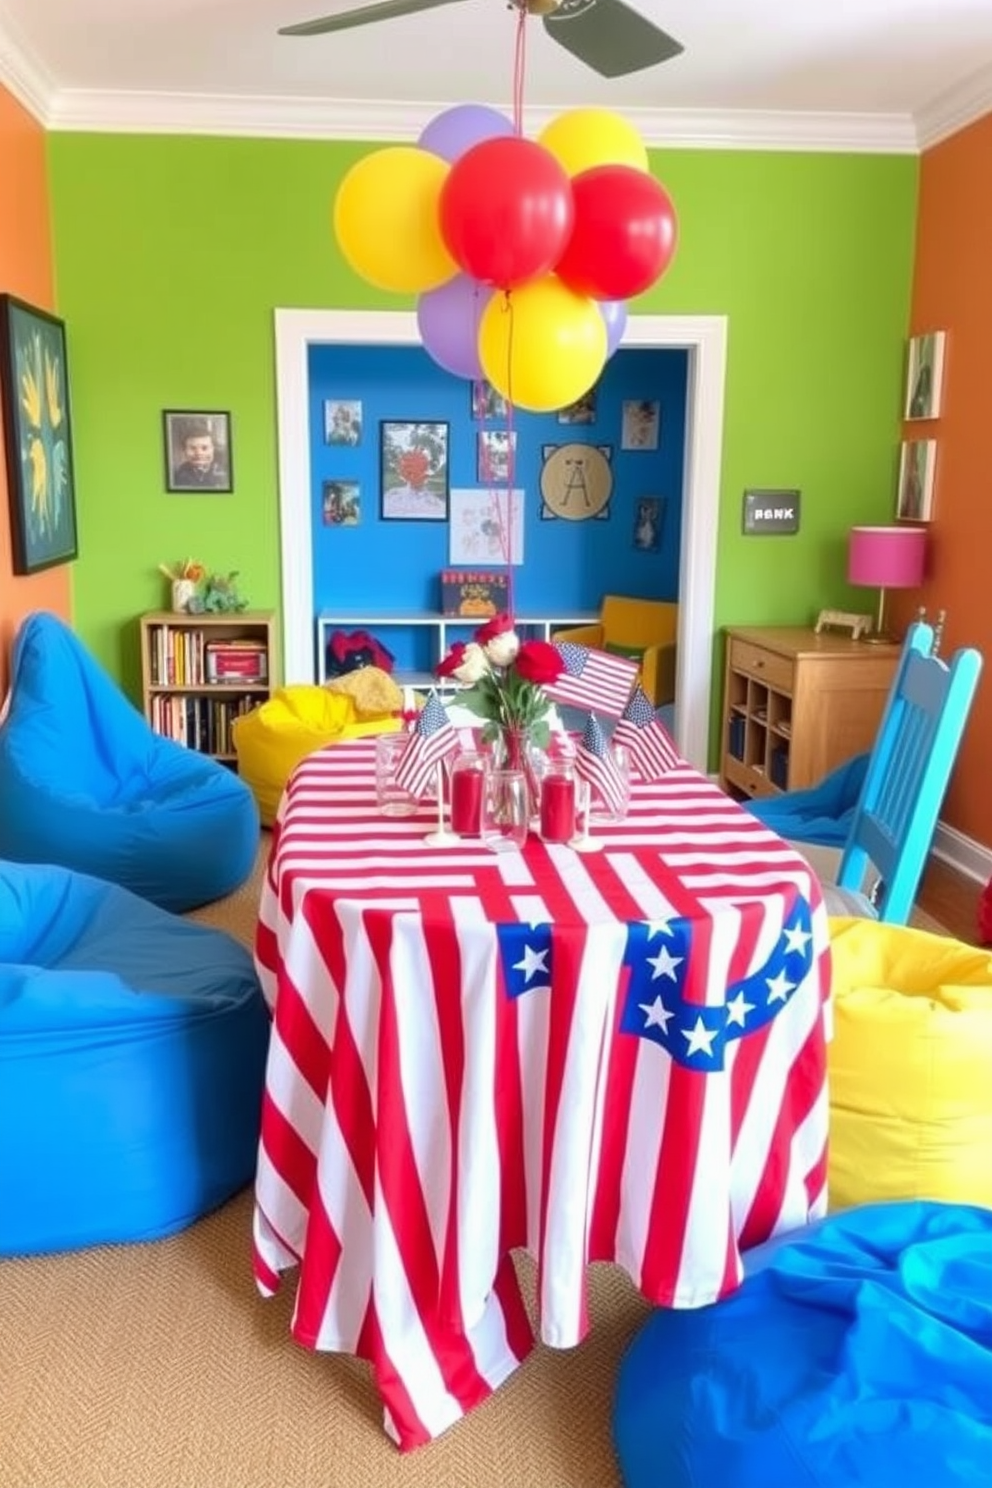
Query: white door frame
x,y
705,339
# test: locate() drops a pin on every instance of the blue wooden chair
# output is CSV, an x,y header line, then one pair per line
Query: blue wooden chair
x,y
908,772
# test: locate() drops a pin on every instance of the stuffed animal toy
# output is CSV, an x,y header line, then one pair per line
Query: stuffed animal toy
x,y
347,651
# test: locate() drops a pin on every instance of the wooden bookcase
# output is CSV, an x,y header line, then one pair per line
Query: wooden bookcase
x,y
796,705
177,698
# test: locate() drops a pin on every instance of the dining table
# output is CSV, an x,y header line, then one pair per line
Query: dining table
x,y
607,1055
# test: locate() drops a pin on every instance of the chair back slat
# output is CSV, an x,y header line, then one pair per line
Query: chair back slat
x,y
908,773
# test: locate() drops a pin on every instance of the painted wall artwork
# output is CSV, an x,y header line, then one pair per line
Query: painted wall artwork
x,y
34,385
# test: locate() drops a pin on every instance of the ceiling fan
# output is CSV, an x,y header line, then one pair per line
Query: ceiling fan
x,y
607,35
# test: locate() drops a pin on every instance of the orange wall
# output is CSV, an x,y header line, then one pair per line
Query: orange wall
x,y
25,271
952,291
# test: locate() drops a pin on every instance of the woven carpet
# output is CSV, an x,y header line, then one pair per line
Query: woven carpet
x,y
160,1366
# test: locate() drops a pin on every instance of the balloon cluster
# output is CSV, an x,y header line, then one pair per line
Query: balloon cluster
x,y
522,253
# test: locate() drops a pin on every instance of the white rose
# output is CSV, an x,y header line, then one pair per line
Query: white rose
x,y
502,649
474,664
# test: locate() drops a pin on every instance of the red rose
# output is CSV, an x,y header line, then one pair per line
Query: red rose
x,y
452,661
497,626
539,662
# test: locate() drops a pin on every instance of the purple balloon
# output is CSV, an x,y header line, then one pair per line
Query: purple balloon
x,y
448,320
455,131
614,312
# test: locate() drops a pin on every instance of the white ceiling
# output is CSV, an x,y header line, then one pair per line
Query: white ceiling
x,y
828,73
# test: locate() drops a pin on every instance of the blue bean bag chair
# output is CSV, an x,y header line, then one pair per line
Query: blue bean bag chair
x,y
132,1060
858,1354
86,783
822,814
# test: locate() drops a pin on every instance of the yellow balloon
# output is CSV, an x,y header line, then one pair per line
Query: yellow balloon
x,y
387,223
542,346
585,137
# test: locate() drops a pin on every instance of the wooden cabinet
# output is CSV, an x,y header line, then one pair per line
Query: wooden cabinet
x,y
796,705
200,672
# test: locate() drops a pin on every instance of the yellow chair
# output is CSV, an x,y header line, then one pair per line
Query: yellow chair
x,y
643,629
271,740
910,1067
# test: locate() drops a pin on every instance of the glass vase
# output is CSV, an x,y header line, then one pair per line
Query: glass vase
x,y
517,751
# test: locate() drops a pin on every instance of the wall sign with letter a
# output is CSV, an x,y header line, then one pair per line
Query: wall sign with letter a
x,y
770,512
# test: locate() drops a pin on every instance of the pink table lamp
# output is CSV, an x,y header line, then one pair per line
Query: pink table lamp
x,y
886,558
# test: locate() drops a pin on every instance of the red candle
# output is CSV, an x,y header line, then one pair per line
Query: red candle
x,y
557,808
466,802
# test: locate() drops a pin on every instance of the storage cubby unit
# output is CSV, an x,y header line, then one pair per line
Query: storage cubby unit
x,y
200,672
796,705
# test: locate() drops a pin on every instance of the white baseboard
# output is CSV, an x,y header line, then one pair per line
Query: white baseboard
x,y
962,853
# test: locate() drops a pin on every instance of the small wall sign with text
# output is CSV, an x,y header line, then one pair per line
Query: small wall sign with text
x,y
772,513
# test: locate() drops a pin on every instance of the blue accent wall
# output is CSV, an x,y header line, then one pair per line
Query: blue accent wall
x,y
567,565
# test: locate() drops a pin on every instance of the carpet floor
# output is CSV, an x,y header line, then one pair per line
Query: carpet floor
x,y
160,1366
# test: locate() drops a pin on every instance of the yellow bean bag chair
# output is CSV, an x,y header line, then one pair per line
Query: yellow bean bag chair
x,y
910,1067
272,739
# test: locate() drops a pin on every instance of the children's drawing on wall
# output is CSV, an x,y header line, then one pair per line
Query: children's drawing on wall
x,y
342,422
648,518
414,472
480,527
582,411
487,403
641,428
916,473
342,503
493,449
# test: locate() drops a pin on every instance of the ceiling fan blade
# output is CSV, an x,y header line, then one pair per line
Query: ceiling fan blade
x,y
609,37
385,10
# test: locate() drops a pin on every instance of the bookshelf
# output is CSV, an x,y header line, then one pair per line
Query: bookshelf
x,y
200,672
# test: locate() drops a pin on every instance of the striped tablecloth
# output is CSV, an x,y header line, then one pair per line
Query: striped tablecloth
x,y
612,1056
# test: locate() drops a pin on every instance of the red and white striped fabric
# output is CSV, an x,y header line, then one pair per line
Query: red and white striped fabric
x,y
613,1056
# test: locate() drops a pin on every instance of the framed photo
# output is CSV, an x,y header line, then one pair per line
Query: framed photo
x,y
341,503
641,426
917,464
343,422
925,376
197,450
582,411
493,450
648,517
481,530
414,472
34,383
487,403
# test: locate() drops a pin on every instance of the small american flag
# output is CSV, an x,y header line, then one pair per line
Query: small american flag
x,y
595,763
593,679
652,749
431,739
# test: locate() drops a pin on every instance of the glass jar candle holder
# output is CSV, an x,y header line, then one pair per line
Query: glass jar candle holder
x,y
392,799
505,810
468,776
603,807
558,820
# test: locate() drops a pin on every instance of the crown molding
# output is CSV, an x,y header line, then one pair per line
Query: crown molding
x,y
352,119
955,109
22,74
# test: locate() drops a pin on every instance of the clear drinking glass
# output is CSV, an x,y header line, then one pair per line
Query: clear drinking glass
x,y
392,798
505,810
602,810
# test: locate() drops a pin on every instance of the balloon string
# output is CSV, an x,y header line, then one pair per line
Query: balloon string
x,y
507,537
519,70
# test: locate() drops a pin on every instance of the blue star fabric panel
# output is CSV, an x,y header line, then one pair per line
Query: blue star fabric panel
x,y
525,952
696,1035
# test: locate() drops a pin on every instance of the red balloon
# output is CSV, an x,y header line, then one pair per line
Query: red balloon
x,y
506,211
624,234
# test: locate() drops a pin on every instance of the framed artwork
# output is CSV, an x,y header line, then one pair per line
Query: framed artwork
x,y
648,517
641,426
582,411
481,530
576,482
925,376
343,421
34,384
487,403
917,464
492,456
414,472
341,501
197,450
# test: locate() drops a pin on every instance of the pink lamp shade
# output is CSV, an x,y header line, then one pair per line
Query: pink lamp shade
x,y
887,557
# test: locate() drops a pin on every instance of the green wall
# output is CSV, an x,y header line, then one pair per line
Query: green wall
x,y
172,252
